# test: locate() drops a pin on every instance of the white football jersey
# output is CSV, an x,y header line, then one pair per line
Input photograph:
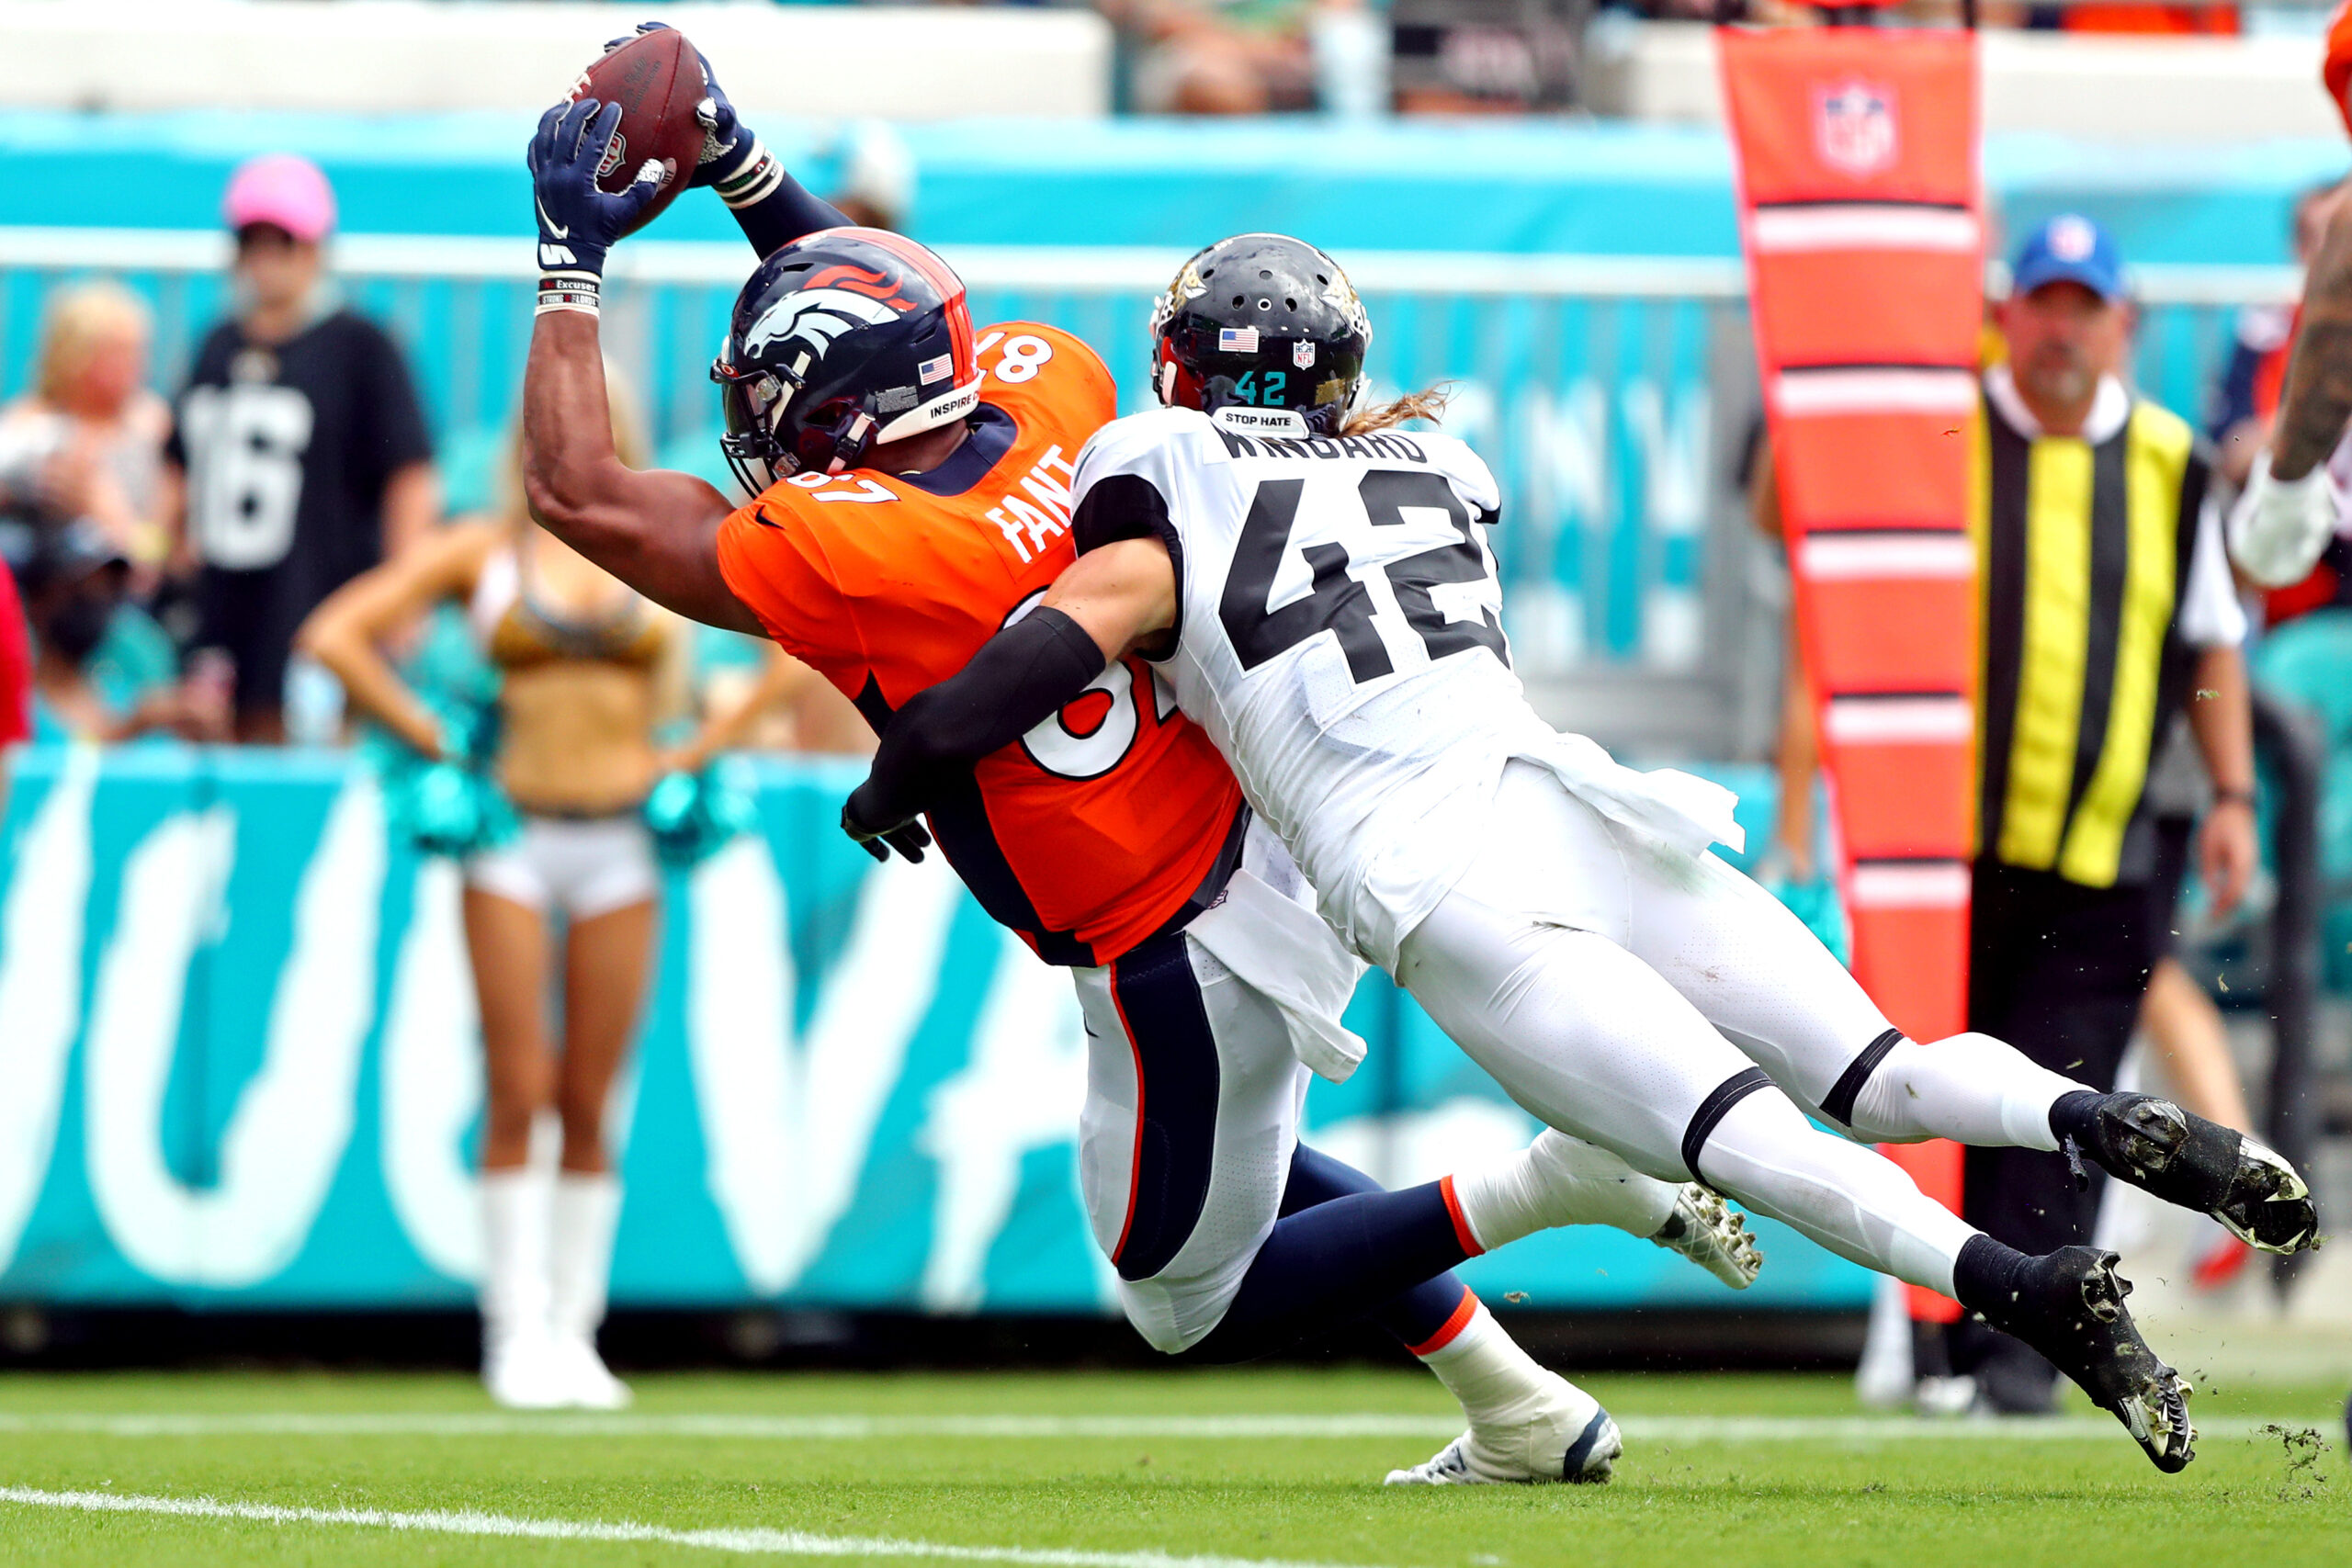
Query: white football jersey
x,y
1338,635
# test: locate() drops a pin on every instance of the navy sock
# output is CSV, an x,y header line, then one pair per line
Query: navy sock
x,y
1987,1277
1334,1262
1414,1316
2071,1116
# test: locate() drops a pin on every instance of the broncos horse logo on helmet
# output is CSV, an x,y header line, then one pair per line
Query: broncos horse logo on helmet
x,y
843,339
1265,321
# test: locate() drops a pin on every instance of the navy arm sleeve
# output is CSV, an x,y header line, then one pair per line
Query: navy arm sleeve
x,y
1019,678
772,207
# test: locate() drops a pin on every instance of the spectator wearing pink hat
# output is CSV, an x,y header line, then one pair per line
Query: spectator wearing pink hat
x,y
304,450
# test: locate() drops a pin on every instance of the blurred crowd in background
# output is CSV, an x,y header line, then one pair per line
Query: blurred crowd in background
x,y
1446,57
168,528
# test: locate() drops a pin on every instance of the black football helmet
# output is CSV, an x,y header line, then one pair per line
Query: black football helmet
x,y
843,339
1261,321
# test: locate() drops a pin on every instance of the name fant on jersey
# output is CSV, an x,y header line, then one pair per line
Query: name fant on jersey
x,y
1030,523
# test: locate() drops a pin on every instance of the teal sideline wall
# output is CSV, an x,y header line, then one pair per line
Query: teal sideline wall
x,y
242,1071
1528,185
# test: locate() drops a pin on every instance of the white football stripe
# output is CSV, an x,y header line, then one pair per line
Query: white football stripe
x,y
841,1428
1939,886
1900,390
1843,558
1860,720
1863,226
762,1542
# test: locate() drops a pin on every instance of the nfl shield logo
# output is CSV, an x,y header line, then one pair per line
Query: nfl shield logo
x,y
1853,127
1303,356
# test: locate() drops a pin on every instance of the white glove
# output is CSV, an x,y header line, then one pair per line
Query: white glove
x,y
2280,526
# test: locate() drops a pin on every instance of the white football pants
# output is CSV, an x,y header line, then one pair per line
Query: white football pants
x,y
1193,1104
1663,1004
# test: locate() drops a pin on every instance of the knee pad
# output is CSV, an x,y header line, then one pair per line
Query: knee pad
x,y
1173,1316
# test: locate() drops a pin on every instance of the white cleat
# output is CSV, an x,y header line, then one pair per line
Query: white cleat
x,y
1563,1435
1711,1234
587,1383
522,1371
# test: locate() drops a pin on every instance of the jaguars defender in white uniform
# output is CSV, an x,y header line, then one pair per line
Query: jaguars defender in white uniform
x,y
1317,586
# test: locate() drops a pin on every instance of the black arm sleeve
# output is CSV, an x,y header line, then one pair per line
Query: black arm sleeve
x,y
1019,677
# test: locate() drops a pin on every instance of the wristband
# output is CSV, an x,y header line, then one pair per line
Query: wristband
x,y
581,291
757,175
2234,797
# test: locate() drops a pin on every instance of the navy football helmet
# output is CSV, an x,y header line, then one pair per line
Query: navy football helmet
x,y
843,339
1261,321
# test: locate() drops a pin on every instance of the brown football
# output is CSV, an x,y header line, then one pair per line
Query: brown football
x,y
656,80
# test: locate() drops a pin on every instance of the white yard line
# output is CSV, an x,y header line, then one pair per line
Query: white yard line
x,y
850,1429
762,1542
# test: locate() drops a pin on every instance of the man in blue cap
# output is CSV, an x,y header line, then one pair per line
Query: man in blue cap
x,y
2108,608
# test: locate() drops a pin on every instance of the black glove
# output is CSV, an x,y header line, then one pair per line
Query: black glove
x,y
578,222
908,837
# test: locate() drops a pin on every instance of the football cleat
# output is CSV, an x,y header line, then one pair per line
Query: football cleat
x,y
2181,1158
1563,1435
2069,1306
1711,1234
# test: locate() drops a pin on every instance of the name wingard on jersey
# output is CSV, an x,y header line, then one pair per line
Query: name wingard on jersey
x,y
1385,444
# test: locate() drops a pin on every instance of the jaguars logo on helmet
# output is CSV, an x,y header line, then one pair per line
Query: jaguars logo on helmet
x,y
1265,321
839,343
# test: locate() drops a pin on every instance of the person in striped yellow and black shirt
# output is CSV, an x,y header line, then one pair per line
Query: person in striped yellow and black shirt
x,y
2107,607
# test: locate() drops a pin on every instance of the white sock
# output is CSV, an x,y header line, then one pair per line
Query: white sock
x,y
1559,1181
1485,1370
515,1206
1853,1200
586,1208
1972,1088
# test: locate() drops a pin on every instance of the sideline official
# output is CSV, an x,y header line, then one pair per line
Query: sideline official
x,y
2107,607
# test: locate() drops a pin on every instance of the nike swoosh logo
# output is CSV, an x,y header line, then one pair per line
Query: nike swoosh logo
x,y
550,224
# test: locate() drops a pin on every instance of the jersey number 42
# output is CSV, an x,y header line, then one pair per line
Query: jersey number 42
x,y
1337,602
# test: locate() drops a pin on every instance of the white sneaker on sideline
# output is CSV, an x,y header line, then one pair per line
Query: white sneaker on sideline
x,y
522,1372
1563,1435
585,1382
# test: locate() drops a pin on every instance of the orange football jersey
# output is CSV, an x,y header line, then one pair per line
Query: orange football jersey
x,y
1098,829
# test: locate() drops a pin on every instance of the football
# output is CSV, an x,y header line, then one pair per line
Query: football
x,y
657,80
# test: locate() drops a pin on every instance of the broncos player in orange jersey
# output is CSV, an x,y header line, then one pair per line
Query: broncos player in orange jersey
x,y
912,479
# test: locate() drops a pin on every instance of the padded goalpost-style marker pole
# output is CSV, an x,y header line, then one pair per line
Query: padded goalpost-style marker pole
x,y
1861,219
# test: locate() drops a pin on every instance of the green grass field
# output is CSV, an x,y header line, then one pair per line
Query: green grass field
x,y
1114,1471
